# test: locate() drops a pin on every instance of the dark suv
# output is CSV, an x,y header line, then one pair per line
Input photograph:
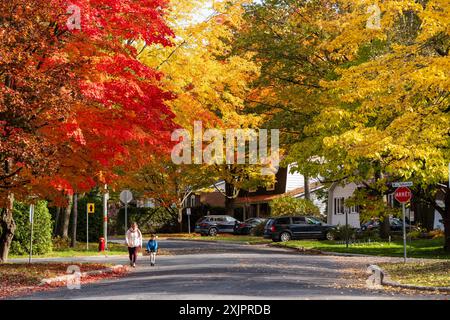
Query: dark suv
x,y
297,227
214,224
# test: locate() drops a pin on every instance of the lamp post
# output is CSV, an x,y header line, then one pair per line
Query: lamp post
x,y
31,233
105,216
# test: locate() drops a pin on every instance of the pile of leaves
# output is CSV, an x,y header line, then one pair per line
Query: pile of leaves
x,y
19,279
432,274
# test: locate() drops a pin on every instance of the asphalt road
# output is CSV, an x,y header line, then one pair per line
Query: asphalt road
x,y
214,271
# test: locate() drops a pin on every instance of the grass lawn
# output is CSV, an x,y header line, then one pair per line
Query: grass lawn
x,y
20,278
220,237
431,249
433,274
80,250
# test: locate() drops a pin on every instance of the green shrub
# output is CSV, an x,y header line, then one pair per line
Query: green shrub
x,y
287,205
60,243
340,233
95,219
259,229
42,230
372,234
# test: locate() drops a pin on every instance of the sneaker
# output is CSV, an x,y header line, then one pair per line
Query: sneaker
x,y
134,265
131,264
152,264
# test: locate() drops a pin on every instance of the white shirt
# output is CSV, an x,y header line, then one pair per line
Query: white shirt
x,y
134,238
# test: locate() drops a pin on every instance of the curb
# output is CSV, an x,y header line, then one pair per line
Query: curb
x,y
385,281
69,277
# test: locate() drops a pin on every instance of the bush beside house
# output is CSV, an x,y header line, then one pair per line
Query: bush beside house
x,y
287,205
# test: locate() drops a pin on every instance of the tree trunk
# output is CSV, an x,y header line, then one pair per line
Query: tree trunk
x,y
73,242
56,228
66,222
229,200
8,228
59,222
307,190
385,228
446,220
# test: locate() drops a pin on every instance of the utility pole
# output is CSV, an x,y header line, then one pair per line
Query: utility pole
x,y
31,233
105,216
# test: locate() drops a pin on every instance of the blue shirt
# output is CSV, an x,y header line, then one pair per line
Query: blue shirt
x,y
152,245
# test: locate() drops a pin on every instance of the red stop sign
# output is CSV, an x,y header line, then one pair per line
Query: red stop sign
x,y
402,194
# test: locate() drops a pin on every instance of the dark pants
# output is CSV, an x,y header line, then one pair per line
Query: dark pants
x,y
133,253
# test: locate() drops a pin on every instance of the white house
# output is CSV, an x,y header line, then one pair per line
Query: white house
x,y
336,215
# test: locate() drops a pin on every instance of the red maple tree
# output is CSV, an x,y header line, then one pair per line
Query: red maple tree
x,y
74,100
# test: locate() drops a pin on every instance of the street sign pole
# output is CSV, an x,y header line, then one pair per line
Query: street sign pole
x,y
87,229
31,233
126,196
403,195
188,213
404,232
126,217
189,224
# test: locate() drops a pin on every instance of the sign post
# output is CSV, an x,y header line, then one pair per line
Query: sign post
x,y
126,196
105,216
346,226
188,213
90,209
403,195
31,233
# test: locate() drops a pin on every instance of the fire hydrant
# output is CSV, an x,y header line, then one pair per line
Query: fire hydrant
x,y
101,244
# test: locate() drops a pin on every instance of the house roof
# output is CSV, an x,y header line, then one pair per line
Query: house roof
x,y
301,191
268,197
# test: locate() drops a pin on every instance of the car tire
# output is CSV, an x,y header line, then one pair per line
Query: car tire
x,y
213,232
285,236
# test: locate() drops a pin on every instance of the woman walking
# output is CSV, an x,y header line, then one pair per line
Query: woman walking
x,y
134,242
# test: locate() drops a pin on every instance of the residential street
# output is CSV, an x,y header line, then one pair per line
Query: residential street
x,y
204,270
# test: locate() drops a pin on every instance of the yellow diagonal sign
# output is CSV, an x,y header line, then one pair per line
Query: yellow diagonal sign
x,y
90,207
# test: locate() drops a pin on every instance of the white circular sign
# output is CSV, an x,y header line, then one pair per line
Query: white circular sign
x,y
126,196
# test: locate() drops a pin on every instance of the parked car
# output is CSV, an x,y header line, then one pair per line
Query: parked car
x,y
297,227
215,224
247,226
396,225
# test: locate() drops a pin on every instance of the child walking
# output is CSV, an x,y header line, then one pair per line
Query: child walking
x,y
152,248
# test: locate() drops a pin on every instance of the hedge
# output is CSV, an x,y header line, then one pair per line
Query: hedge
x,y
42,229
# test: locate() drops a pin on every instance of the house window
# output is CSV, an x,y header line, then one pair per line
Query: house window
x,y
338,206
354,209
270,187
